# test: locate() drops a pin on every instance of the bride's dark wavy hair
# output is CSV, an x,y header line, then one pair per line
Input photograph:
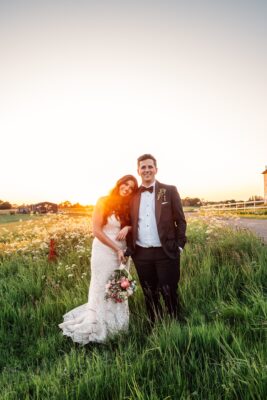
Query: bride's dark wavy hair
x,y
119,205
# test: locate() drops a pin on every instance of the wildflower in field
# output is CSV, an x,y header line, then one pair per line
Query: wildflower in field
x,y
32,238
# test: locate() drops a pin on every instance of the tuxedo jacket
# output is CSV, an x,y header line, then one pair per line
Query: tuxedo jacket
x,y
170,219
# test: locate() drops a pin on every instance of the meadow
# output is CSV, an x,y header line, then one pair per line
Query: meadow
x,y
217,351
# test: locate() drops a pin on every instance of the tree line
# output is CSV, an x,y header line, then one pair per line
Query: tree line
x,y
5,205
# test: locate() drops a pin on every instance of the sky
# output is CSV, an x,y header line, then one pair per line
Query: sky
x,y
86,87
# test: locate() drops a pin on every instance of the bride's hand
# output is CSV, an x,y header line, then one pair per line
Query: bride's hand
x,y
121,257
122,233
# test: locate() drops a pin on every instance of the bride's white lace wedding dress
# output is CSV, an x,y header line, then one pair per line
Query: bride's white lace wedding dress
x,y
99,318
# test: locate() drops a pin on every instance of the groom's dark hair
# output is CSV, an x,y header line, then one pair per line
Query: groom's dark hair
x,y
146,157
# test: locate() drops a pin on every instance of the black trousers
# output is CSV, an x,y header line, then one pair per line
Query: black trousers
x,y
158,275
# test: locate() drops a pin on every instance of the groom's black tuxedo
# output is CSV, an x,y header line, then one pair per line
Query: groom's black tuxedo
x,y
170,219
159,267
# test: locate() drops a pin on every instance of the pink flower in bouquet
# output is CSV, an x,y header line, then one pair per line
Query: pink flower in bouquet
x,y
125,283
120,286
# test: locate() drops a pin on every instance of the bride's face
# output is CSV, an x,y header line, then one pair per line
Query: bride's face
x,y
126,188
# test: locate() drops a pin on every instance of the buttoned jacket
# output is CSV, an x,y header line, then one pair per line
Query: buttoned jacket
x,y
171,223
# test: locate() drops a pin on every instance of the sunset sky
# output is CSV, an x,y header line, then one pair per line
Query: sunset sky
x,y
88,86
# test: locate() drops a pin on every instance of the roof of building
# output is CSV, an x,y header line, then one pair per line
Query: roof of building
x,y
45,202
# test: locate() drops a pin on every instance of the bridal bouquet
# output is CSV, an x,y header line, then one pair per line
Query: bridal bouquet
x,y
120,285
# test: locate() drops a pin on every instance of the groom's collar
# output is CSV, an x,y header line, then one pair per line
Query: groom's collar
x,y
152,185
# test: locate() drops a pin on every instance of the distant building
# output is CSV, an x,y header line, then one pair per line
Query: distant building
x,y
265,184
45,207
39,208
24,209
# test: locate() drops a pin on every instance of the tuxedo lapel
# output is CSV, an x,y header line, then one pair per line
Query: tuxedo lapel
x,y
157,202
135,214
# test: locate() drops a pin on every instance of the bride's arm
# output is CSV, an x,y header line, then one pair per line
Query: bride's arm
x,y
98,222
124,232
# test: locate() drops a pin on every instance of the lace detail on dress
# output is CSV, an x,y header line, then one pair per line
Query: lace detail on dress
x,y
99,318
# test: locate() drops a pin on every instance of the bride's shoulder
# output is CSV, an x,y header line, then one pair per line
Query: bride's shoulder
x,y
101,201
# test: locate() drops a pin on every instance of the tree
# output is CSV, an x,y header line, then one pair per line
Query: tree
x,y
76,205
65,204
255,198
5,205
191,202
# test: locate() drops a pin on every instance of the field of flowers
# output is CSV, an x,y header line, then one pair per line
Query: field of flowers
x,y
217,351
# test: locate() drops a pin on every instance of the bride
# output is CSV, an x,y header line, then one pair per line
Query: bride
x,y
100,318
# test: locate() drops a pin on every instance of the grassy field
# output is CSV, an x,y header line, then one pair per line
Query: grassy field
x,y
260,214
217,352
9,219
6,218
253,215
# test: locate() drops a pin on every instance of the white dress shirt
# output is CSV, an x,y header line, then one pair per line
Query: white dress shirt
x,y
147,235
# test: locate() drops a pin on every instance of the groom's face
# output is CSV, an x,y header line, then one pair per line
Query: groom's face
x,y
147,170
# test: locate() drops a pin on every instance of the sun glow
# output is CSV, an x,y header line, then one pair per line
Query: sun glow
x,y
81,101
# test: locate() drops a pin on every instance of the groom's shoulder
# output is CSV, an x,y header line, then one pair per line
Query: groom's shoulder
x,y
167,186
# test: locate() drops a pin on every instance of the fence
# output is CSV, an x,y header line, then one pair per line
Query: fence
x,y
253,205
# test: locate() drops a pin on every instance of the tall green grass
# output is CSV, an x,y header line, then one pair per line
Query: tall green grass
x,y
6,218
217,352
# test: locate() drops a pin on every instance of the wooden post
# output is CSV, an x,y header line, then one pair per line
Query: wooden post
x,y
265,184
52,256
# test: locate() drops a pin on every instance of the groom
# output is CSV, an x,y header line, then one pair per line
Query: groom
x,y
157,239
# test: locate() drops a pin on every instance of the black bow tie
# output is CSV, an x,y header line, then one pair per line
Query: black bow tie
x,y
144,189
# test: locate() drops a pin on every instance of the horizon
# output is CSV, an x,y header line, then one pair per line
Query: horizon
x,y
27,203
